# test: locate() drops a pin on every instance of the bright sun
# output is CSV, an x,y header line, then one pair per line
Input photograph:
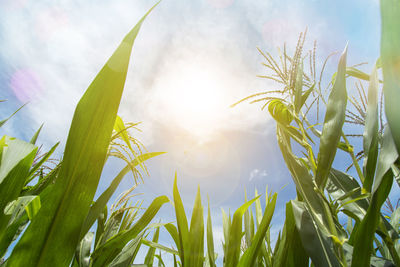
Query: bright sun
x,y
193,98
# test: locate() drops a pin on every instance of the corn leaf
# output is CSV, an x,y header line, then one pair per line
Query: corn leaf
x,y
43,243
232,253
290,251
33,170
360,74
33,207
13,230
250,256
390,56
151,252
306,94
155,245
2,122
364,233
248,225
316,242
16,158
101,202
363,237
105,253
333,123
226,226
183,229
375,261
339,185
17,210
195,254
128,253
36,135
82,253
173,231
120,128
371,131
387,157
303,180
210,240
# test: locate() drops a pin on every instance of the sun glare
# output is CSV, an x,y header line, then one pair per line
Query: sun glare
x,y
193,98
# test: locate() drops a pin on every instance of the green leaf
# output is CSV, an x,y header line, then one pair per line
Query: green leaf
x,y
387,157
210,239
18,218
250,255
226,226
194,256
248,225
16,158
14,229
306,94
280,112
364,234
5,120
259,213
375,261
333,123
112,227
105,253
371,132
155,245
289,250
303,180
390,56
69,199
101,221
43,182
396,173
173,231
181,220
338,187
160,261
33,207
316,242
232,253
395,218
120,128
35,167
128,253
97,207
82,253
36,135
151,252
360,74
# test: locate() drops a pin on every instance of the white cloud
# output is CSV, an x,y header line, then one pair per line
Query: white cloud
x,y
65,44
256,173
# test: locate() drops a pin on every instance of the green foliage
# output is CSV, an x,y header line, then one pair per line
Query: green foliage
x,y
57,205
323,192
390,55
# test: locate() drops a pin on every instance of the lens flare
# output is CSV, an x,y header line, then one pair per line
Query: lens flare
x,y
25,84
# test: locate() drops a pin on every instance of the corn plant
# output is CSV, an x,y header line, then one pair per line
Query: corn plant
x,y
118,238
190,244
59,205
322,191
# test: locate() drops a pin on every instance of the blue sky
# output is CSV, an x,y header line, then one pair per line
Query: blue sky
x,y
191,60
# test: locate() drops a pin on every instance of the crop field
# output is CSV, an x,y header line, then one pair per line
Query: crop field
x,y
336,134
